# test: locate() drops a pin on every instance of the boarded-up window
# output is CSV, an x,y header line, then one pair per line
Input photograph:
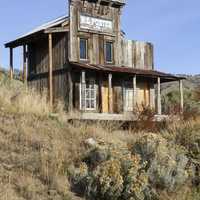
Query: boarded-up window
x,y
128,96
129,99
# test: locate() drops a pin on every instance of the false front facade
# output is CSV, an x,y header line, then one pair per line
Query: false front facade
x,y
84,60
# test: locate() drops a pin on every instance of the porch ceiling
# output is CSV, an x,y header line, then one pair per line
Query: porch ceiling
x,y
165,77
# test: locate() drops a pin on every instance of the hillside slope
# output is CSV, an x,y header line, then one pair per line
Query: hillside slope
x,y
44,157
191,83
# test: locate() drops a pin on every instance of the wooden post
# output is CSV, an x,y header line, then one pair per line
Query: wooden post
x,y
24,64
11,63
50,71
100,92
159,110
110,101
82,99
134,91
70,87
181,96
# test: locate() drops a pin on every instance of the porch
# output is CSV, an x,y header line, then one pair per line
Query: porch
x,y
126,117
114,93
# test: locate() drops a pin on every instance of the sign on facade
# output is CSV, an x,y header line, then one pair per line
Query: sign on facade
x,y
95,24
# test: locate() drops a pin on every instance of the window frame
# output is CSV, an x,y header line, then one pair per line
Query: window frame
x,y
91,88
86,50
112,51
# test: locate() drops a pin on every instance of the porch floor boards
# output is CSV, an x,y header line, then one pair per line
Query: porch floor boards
x,y
112,117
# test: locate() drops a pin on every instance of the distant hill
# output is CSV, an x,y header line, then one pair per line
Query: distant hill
x,y
191,83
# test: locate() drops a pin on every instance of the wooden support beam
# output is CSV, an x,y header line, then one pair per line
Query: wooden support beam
x,y
83,82
110,94
159,109
11,63
181,96
50,71
100,92
24,64
56,30
134,91
70,87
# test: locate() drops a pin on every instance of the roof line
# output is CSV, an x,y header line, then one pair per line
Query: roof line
x,y
128,70
40,28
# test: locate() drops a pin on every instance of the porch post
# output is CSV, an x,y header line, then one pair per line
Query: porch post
x,y
100,93
50,71
159,110
70,90
134,91
11,63
24,64
181,96
83,82
110,94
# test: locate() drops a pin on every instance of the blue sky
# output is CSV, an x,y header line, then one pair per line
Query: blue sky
x,y
173,26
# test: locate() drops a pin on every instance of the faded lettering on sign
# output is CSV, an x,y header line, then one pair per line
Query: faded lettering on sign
x,y
95,24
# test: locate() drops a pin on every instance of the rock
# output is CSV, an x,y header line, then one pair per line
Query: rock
x,y
91,142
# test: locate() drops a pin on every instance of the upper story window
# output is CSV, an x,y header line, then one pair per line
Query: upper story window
x,y
109,52
83,49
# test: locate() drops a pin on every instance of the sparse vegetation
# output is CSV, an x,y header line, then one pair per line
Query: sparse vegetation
x,y
44,157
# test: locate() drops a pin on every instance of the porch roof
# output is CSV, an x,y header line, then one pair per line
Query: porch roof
x,y
165,77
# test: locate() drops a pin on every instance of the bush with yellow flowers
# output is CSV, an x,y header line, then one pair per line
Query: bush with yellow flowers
x,y
113,173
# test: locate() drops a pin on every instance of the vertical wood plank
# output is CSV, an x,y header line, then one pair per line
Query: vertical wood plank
x,y
24,64
152,96
11,63
134,91
100,92
70,86
83,82
50,71
181,96
110,101
159,109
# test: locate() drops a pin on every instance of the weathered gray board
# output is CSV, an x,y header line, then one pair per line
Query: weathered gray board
x,y
136,54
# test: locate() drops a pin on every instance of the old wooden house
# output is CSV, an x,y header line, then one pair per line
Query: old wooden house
x,y
85,60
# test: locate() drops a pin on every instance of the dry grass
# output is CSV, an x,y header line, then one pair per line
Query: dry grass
x,y
16,98
36,149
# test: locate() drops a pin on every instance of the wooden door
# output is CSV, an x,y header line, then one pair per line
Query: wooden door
x,y
143,94
128,100
104,91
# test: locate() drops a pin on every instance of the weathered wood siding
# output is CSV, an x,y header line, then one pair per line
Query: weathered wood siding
x,y
137,54
118,105
60,85
96,39
38,66
39,55
126,53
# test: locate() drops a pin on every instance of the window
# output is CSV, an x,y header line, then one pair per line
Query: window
x,y
83,48
88,95
109,52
